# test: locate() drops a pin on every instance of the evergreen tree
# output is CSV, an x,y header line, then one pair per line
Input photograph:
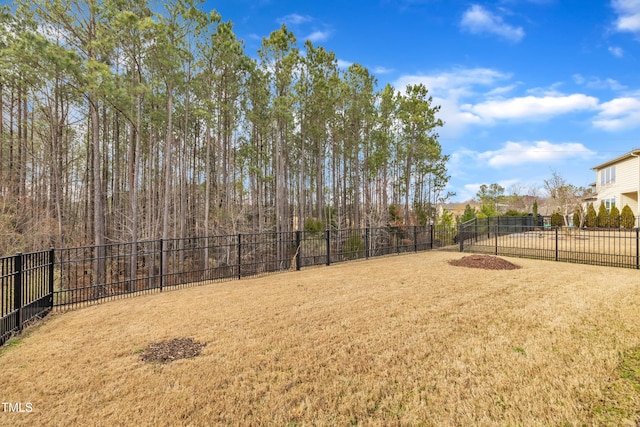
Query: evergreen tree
x,y
627,219
591,219
614,217
603,216
468,214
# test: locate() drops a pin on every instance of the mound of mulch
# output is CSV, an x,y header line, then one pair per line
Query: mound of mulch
x,y
170,350
486,262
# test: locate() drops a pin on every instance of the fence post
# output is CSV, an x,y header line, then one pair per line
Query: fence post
x,y
327,238
430,236
556,243
488,228
366,242
496,235
395,234
461,237
415,238
17,289
162,267
298,248
637,248
51,275
240,255
475,233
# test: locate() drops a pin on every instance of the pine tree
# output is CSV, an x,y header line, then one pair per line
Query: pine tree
x,y
468,214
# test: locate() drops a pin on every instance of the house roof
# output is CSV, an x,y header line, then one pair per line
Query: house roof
x,y
633,153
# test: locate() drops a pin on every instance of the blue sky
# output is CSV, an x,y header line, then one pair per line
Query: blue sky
x,y
526,87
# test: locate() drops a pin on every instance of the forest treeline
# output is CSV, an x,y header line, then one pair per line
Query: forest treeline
x,y
124,120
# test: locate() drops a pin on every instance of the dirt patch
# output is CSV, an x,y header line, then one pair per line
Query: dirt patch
x,y
170,350
486,262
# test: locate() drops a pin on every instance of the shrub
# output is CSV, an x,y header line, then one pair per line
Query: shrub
x,y
614,217
576,218
395,215
557,220
352,246
313,224
603,216
627,219
592,218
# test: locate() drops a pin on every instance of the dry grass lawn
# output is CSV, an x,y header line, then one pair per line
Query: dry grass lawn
x,y
407,340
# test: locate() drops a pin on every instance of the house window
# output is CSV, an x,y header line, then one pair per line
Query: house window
x,y
609,203
608,175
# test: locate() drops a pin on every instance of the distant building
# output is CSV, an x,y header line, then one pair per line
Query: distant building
x,y
618,182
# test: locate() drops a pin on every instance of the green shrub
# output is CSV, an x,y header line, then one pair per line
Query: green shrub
x,y
627,219
603,216
591,220
353,245
614,217
576,218
313,224
557,220
395,215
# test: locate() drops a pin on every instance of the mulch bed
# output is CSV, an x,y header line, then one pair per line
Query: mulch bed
x,y
170,350
486,262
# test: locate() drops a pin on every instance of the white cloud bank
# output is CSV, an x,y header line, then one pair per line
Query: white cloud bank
x,y
618,115
518,153
480,97
478,20
628,15
530,107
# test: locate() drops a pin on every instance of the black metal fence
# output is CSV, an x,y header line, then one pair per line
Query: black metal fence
x,y
26,290
33,284
613,247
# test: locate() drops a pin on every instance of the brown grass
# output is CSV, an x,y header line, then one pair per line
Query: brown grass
x,y
408,340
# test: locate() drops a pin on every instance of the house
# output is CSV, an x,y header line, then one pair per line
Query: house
x,y
618,182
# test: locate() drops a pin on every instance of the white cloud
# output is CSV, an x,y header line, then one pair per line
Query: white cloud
x,y
318,36
449,88
344,64
382,70
295,19
628,15
530,107
598,83
477,97
478,20
458,81
616,51
500,90
518,153
618,114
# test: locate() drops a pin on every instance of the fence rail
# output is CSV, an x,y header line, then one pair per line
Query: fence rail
x,y
613,247
31,285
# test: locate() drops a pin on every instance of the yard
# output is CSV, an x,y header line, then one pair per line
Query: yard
x,y
406,340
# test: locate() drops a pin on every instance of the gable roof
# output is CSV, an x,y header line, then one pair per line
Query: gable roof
x,y
633,153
